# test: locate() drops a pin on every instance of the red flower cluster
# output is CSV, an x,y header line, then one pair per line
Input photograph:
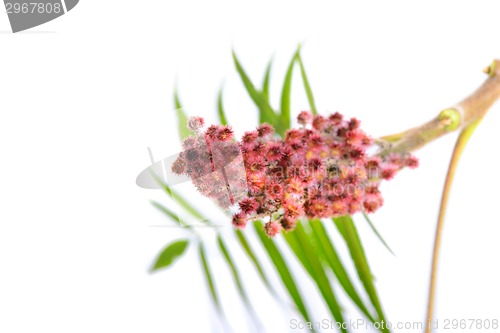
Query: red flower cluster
x,y
319,170
213,162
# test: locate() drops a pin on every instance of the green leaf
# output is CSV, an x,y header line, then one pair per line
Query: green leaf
x,y
253,258
170,254
187,206
347,229
301,245
209,278
283,271
220,108
331,257
237,279
286,93
379,236
307,86
181,117
267,114
265,85
182,202
296,247
170,214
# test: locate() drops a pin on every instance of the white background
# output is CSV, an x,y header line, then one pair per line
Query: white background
x,y
83,96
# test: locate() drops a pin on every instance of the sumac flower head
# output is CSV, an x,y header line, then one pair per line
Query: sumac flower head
x,y
272,228
224,133
389,171
211,133
189,143
274,151
304,118
319,123
265,130
353,124
248,205
195,123
250,137
411,162
239,220
288,224
179,166
336,118
294,134
322,169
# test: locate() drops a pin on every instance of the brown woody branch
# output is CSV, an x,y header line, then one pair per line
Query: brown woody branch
x,y
458,117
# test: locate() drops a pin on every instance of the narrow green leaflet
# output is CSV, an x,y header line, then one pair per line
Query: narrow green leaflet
x,y
347,229
237,279
283,271
330,255
379,236
266,112
181,117
302,246
253,258
265,85
220,108
209,278
183,202
294,244
307,85
169,254
286,94
169,213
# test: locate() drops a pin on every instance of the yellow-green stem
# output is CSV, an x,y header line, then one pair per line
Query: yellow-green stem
x,y
457,152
